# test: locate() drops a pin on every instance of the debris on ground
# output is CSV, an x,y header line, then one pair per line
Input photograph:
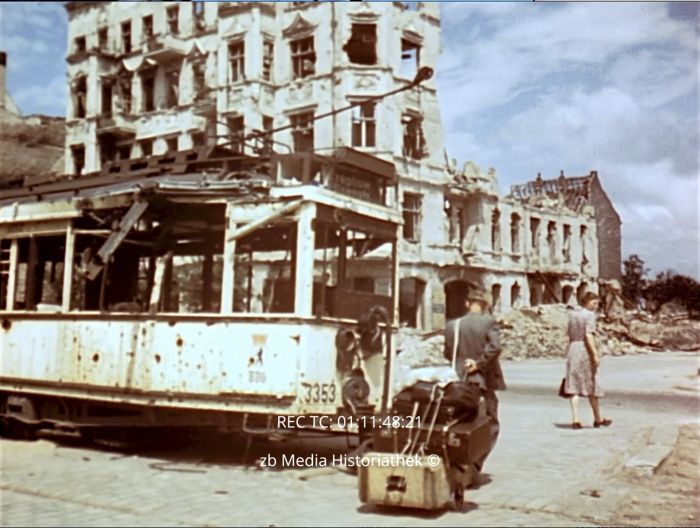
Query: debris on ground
x,y
541,332
669,496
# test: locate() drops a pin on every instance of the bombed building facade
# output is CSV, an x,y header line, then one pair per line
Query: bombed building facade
x,y
148,79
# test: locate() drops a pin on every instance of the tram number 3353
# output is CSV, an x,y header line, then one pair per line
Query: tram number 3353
x,y
318,392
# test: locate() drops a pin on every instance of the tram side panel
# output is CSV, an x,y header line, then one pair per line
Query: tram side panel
x,y
203,363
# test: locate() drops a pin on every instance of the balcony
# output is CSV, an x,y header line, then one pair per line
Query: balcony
x,y
204,103
120,125
77,55
232,8
105,52
164,48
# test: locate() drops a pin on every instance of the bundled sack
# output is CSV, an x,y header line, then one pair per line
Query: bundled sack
x,y
457,400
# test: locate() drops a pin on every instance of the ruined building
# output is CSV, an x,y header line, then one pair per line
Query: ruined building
x,y
151,78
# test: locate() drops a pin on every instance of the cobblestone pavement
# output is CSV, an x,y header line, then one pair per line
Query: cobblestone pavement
x,y
541,473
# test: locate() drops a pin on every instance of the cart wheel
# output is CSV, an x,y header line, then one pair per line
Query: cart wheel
x,y
458,497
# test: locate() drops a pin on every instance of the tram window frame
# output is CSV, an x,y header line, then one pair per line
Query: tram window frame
x,y
264,278
336,277
44,255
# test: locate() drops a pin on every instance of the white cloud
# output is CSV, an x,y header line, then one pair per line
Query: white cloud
x,y
580,87
538,40
23,16
17,45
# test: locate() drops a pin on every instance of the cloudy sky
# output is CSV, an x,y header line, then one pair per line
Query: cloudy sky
x,y
524,88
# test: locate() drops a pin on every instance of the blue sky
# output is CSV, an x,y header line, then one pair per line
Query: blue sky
x,y
525,88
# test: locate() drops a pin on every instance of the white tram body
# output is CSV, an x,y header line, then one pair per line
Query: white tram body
x,y
208,289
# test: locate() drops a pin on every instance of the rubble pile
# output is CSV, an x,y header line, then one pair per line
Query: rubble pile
x,y
540,332
416,349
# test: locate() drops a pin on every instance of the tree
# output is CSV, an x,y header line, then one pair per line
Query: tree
x,y
633,281
671,287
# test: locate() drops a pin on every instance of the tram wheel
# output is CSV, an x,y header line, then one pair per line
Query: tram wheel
x,y
17,430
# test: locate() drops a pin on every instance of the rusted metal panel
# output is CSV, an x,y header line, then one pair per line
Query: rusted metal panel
x,y
238,366
188,357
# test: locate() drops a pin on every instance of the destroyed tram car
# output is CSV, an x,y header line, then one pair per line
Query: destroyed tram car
x,y
201,288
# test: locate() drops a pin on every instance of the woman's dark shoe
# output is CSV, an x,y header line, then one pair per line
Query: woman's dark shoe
x,y
577,425
604,422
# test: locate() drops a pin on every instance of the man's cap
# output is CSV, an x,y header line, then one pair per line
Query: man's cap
x,y
479,295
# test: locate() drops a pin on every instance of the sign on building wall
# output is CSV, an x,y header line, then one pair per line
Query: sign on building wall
x,y
353,183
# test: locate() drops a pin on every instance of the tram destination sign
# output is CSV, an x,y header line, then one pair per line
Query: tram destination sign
x,y
354,183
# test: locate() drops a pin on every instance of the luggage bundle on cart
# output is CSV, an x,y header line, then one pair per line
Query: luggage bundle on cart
x,y
425,458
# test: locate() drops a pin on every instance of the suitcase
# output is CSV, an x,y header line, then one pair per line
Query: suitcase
x,y
408,481
457,401
467,442
463,442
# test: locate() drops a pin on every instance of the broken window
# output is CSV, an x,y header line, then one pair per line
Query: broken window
x,y
79,45
236,132
411,293
268,59
171,144
80,96
515,233
303,58
514,295
457,222
78,154
148,81
584,248
412,216
552,240
172,14
172,78
198,15
108,150
496,230
198,139
199,79
410,58
361,48
496,297
364,125
461,223
147,31
126,36
107,97
124,94
303,131
103,38
124,151
535,234
236,60
414,145
566,250
146,147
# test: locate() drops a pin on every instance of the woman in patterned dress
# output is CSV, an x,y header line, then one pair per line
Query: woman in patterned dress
x,y
582,362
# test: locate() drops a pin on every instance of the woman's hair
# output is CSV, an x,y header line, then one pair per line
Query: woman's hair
x,y
588,297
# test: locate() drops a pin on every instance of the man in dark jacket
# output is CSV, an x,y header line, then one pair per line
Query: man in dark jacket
x,y
477,351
